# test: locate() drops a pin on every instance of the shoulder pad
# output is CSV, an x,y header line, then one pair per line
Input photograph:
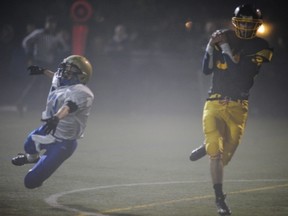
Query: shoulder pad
x,y
266,54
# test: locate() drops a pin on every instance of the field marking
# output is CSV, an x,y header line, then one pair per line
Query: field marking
x,y
189,199
53,199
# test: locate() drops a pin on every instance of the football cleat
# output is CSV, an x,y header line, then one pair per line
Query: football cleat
x,y
222,207
198,153
21,159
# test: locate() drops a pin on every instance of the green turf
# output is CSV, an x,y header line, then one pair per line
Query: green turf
x,y
137,164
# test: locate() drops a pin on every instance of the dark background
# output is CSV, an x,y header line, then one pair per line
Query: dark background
x,y
146,117
163,71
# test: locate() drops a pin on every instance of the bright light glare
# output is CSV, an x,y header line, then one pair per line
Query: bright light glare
x,y
188,25
261,29
265,30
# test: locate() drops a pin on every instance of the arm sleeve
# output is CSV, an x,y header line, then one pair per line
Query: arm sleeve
x,y
72,106
207,63
79,98
227,52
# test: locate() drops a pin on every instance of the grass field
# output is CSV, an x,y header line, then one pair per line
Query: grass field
x,y
136,164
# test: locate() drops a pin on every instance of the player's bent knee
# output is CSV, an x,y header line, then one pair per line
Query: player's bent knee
x,y
32,182
212,150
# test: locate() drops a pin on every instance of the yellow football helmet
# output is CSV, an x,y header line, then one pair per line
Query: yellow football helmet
x,y
246,20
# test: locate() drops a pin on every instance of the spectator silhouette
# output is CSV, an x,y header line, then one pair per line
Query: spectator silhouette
x,y
119,45
44,47
7,35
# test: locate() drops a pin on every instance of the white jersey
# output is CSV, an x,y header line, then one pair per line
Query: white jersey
x,y
72,126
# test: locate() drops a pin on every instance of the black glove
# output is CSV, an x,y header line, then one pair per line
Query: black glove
x,y
51,124
35,70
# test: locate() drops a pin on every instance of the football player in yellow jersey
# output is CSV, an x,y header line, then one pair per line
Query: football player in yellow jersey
x,y
233,58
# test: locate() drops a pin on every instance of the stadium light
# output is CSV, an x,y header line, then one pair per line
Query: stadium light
x,y
265,30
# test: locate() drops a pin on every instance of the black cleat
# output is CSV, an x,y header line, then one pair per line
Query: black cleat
x,y
21,159
198,153
222,207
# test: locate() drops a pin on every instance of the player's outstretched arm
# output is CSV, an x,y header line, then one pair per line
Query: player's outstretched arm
x,y
49,73
36,70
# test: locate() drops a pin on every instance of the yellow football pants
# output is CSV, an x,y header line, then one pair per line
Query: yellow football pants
x,y
223,126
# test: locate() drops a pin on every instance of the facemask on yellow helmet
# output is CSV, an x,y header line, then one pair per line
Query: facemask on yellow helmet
x,y
246,20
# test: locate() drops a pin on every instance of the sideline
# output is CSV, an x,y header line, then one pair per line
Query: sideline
x,y
53,199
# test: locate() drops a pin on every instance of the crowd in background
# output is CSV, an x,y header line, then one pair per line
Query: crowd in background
x,y
155,26
121,30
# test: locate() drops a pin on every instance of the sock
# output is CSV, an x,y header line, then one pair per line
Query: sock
x,y
32,157
218,190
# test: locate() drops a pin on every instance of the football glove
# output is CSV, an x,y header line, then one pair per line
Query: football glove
x,y
50,125
35,70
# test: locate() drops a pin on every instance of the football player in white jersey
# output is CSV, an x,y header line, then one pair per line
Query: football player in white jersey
x,y
68,107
